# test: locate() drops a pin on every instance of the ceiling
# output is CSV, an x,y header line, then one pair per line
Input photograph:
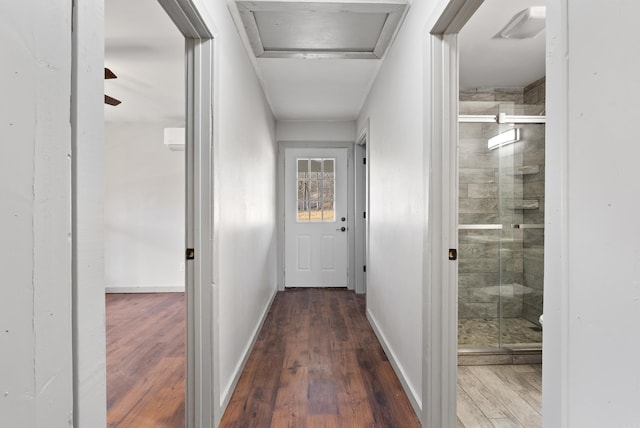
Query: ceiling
x,y
146,51
315,30
324,89
317,61
488,62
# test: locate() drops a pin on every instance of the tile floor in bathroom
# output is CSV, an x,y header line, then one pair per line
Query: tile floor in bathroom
x,y
500,396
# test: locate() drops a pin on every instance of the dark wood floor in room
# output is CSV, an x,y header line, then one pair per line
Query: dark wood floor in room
x,y
317,363
145,360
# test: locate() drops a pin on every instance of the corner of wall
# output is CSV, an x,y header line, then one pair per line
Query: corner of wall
x,y
228,390
414,398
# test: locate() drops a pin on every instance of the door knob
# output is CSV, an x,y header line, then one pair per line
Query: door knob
x,y
342,229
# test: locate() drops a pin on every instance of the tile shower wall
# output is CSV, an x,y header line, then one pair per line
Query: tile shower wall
x,y
535,93
482,201
513,95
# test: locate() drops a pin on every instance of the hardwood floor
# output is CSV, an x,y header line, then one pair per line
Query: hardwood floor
x,y
145,360
500,396
317,363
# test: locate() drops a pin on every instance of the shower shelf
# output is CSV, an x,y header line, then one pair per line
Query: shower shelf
x,y
522,204
523,170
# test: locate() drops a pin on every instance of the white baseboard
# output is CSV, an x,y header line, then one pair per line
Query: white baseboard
x,y
413,397
228,392
146,289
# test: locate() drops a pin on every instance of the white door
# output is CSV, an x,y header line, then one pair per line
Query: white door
x,y
315,218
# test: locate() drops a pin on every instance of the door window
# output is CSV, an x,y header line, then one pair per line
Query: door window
x,y
316,189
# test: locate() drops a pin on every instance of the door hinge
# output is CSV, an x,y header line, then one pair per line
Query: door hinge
x,y
364,268
190,254
453,254
364,214
364,161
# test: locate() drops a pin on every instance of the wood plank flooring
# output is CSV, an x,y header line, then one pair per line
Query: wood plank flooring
x,y
317,363
500,396
145,360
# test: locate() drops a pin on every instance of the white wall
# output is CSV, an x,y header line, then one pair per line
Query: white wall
x,y
144,209
396,200
291,130
245,177
247,233
36,227
36,374
591,375
88,216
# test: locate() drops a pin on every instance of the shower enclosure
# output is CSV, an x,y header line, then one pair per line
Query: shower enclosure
x,y
500,230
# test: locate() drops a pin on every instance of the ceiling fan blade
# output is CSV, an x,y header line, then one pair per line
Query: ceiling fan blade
x,y
111,101
108,74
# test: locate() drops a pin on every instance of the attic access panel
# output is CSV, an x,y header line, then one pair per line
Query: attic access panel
x,y
320,30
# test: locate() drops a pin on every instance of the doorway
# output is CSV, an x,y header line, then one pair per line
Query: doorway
x,y
195,263
316,217
501,177
144,215
452,218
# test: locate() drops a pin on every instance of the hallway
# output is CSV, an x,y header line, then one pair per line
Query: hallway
x,y
317,363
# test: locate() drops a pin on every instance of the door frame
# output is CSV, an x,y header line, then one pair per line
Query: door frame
x,y
440,299
361,197
202,408
283,146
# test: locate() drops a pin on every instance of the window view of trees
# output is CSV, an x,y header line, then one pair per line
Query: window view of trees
x,y
316,189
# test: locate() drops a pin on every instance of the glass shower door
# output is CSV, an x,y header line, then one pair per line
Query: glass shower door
x,y
521,191
500,233
479,234
511,205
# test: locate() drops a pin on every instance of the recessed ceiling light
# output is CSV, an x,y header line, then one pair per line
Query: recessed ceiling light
x,y
526,24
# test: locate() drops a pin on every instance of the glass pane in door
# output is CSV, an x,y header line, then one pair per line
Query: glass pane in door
x,y
501,228
316,189
522,166
479,235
